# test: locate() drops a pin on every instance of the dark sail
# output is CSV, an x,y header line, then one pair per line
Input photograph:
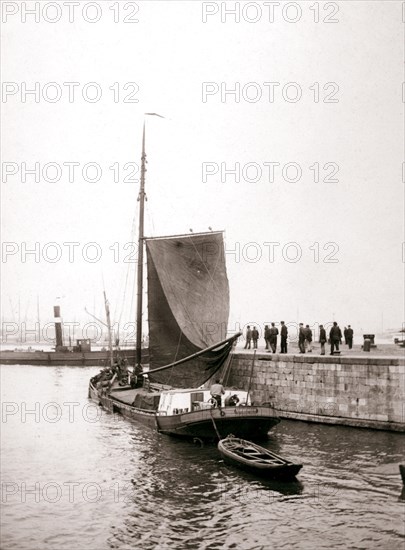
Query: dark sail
x,y
193,371
188,303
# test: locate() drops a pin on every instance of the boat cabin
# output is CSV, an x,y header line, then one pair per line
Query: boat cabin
x,y
83,345
190,400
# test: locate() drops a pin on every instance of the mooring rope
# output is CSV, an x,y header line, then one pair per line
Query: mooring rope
x,y
215,426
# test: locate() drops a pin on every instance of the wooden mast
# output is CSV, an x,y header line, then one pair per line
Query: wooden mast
x,y
107,314
141,199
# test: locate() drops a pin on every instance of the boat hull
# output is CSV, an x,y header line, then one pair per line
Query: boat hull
x,y
56,358
253,422
250,421
285,470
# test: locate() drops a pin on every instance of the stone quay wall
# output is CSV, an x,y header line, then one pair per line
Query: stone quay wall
x,y
355,391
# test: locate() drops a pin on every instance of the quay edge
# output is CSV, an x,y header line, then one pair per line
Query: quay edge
x,y
358,391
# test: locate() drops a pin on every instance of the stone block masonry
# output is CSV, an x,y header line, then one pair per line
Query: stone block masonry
x,y
354,391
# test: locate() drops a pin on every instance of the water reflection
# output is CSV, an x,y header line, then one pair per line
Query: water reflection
x,y
140,489
240,477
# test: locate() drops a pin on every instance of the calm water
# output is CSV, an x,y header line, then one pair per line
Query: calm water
x,y
74,477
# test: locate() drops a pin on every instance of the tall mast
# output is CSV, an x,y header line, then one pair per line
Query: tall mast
x,y
141,199
107,314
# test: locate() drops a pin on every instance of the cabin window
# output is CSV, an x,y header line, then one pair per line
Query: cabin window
x,y
198,396
196,399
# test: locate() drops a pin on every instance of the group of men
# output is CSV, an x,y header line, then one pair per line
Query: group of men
x,y
304,338
270,337
119,371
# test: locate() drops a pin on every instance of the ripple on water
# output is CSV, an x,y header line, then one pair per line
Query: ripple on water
x,y
139,489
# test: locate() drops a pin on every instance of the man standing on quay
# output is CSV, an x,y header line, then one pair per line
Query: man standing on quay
x,y
322,339
248,337
301,338
349,336
267,336
308,339
255,337
335,336
273,337
284,334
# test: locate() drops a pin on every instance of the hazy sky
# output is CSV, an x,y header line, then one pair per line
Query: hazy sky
x,y
322,101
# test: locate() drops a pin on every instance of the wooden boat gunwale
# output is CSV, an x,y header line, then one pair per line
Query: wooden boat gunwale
x,y
253,457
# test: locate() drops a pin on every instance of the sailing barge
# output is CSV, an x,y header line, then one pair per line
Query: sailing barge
x,y
187,413
188,309
188,303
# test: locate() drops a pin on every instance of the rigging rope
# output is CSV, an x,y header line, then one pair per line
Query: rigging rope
x,y
125,282
228,368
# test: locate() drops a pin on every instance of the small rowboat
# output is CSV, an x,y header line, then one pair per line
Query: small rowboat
x,y
255,459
